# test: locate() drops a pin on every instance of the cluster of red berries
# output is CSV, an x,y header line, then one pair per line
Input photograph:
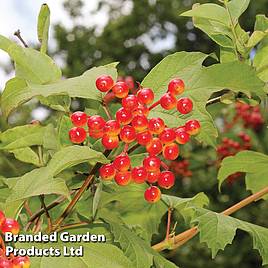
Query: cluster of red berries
x,y
132,125
230,147
181,168
251,116
8,225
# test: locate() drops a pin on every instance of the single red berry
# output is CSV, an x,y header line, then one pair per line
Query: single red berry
x,y
141,110
154,147
120,90
123,116
5,263
96,134
21,262
192,127
112,128
153,176
139,122
107,172
77,135
104,83
123,178
144,138
151,163
156,125
2,218
127,134
145,96
79,119
184,105
182,136
171,151
176,86
95,123
168,101
10,226
152,194
130,102
110,142
166,179
139,174
122,162
130,82
167,136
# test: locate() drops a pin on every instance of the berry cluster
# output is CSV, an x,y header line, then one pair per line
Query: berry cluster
x,y
181,168
230,147
132,124
8,225
251,116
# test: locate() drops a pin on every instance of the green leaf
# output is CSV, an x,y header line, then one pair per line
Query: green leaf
x,y
27,135
227,55
59,102
260,62
237,8
18,91
31,65
255,38
218,230
200,83
96,199
63,127
73,155
26,155
43,27
254,164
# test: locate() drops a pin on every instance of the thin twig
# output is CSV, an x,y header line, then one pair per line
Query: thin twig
x,y
106,110
17,33
27,208
49,221
168,223
72,225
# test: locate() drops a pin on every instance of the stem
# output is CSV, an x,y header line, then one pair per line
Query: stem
x,y
182,238
49,221
106,110
154,105
133,148
17,33
72,225
164,165
214,100
40,156
27,208
125,150
168,223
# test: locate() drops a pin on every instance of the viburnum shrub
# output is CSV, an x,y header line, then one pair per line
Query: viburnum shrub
x,y
108,158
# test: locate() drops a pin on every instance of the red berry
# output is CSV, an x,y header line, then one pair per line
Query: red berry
x,y
168,101
184,105
176,86
21,262
140,122
10,226
2,217
110,142
127,134
79,119
77,135
123,178
107,172
154,147
122,162
151,163
130,82
123,116
112,128
171,151
5,263
156,125
95,123
144,138
104,83
153,176
167,136
152,194
139,174
145,96
96,134
141,110
166,179
130,102
120,90
182,136
192,127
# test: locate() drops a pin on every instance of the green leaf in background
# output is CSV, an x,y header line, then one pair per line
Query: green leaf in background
x,y
18,91
96,199
31,65
237,8
63,127
43,27
200,83
26,155
260,62
58,102
218,230
254,164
